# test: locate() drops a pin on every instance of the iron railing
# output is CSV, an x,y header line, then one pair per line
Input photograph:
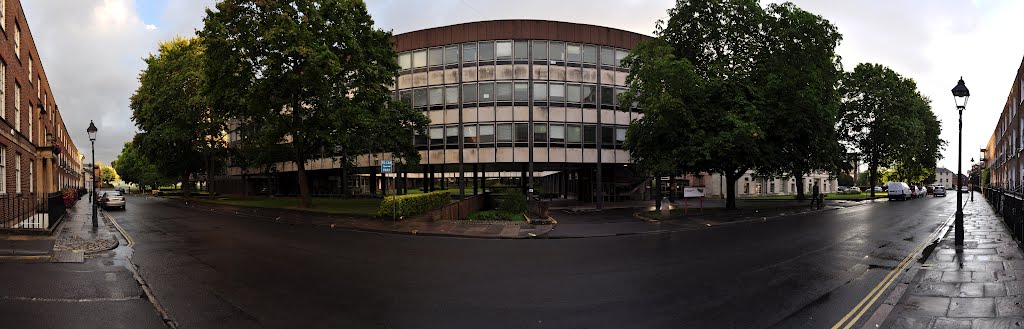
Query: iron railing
x,y
34,211
1010,205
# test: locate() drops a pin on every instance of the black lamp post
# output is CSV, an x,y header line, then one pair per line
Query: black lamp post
x,y
970,180
92,139
960,95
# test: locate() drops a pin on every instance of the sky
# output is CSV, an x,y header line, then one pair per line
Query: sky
x,y
93,50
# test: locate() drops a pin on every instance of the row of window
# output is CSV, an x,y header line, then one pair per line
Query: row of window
x,y
521,134
17,173
556,52
489,92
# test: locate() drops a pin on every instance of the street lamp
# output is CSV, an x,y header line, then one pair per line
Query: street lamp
x,y
970,180
92,139
960,95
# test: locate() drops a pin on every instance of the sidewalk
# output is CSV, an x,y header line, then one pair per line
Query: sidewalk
x,y
73,238
414,226
980,285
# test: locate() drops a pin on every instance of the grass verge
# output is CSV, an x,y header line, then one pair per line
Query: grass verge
x,y
362,207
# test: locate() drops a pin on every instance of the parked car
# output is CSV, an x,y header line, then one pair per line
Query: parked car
x,y
939,191
963,189
113,199
853,190
899,191
841,189
878,189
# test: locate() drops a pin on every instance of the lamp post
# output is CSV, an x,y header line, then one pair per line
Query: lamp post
x,y
92,139
960,95
970,179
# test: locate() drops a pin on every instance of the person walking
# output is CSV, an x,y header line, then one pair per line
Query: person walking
x,y
815,194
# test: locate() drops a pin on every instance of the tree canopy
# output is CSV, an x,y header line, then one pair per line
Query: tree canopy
x,y
135,168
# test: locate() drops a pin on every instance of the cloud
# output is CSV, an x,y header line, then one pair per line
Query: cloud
x,y
92,61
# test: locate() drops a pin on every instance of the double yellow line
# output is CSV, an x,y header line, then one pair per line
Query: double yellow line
x,y
850,319
127,237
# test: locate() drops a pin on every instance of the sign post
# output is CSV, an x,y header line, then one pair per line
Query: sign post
x,y
693,192
386,167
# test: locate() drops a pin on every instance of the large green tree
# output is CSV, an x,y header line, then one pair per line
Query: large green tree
x,y
312,75
135,168
173,112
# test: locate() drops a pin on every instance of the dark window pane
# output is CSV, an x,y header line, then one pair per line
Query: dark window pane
x,y
556,51
607,96
486,134
504,132
435,56
590,54
522,50
421,140
522,92
420,98
504,91
469,52
451,55
486,51
540,132
607,135
469,93
589,134
540,50
607,56
407,96
589,94
573,134
522,133
486,92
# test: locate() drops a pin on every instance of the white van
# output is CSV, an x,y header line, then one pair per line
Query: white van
x,y
899,190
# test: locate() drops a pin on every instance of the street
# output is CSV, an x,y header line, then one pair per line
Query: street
x,y
215,270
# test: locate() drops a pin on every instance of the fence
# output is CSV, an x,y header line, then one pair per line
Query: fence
x,y
1010,205
32,211
460,209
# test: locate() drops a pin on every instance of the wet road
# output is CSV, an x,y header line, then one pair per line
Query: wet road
x,y
216,270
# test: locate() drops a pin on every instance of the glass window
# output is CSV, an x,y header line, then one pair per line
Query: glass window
x,y
522,133
469,93
504,132
619,56
435,56
607,95
590,134
419,59
540,132
451,134
486,51
405,61
451,95
406,96
573,134
557,133
522,50
503,50
590,54
620,135
607,135
589,94
607,56
421,141
436,135
557,92
420,98
451,55
469,52
572,93
486,92
522,92
556,51
540,91
504,91
469,134
540,50
573,52
486,134
436,96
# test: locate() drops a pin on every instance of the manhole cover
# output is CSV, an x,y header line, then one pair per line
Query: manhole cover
x,y
67,256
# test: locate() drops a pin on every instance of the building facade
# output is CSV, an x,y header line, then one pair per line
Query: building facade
x,y
1002,155
945,177
530,104
37,155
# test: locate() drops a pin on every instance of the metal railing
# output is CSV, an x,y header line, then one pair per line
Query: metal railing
x,y
1010,205
34,211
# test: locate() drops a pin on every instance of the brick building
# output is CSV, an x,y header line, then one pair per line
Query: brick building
x,y
37,155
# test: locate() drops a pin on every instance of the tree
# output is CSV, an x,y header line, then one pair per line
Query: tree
x,y
134,168
108,174
312,75
173,112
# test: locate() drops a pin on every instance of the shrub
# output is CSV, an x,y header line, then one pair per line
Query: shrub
x,y
496,215
514,203
413,204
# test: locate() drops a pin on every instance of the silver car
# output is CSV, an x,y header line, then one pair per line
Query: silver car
x,y
113,199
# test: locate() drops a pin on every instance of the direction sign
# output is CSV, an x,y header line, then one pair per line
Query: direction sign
x,y
386,166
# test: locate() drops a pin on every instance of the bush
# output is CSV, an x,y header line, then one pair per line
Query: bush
x,y
514,203
414,203
496,215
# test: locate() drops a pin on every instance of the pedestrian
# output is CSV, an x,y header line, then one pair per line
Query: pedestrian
x,y
815,191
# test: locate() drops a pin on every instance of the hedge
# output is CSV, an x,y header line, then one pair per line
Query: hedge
x,y
414,203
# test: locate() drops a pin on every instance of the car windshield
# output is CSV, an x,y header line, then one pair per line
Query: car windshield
x,y
109,194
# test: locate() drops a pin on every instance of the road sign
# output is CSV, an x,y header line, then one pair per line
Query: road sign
x,y
693,192
386,166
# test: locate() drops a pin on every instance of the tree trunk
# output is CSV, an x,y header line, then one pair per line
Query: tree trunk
x,y
306,200
344,174
730,189
799,177
186,190
872,173
657,192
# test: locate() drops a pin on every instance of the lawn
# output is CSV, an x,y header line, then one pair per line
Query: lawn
x,y
364,207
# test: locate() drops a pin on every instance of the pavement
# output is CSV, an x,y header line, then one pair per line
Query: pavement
x,y
978,285
73,236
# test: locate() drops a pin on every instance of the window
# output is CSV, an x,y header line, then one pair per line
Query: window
x,y
540,91
522,133
607,136
619,56
573,52
3,14
469,134
540,133
17,107
590,54
31,177
620,136
420,98
451,55
486,134
607,96
557,133
589,94
469,93
503,49
590,135
31,120
436,136
3,91
522,50
504,91
17,39
540,50
556,51
556,92
17,173
486,92
607,56
451,95
451,135
522,92
406,96
573,134
486,51
435,56
29,67
572,93
469,52
436,96
3,169
504,132
419,59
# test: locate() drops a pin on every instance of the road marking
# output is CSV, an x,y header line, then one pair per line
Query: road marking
x,y
70,300
119,229
25,257
883,285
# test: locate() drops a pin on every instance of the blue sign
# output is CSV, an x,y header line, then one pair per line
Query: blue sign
x,y
386,166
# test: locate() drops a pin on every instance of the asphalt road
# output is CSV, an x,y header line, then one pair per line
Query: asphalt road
x,y
804,271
